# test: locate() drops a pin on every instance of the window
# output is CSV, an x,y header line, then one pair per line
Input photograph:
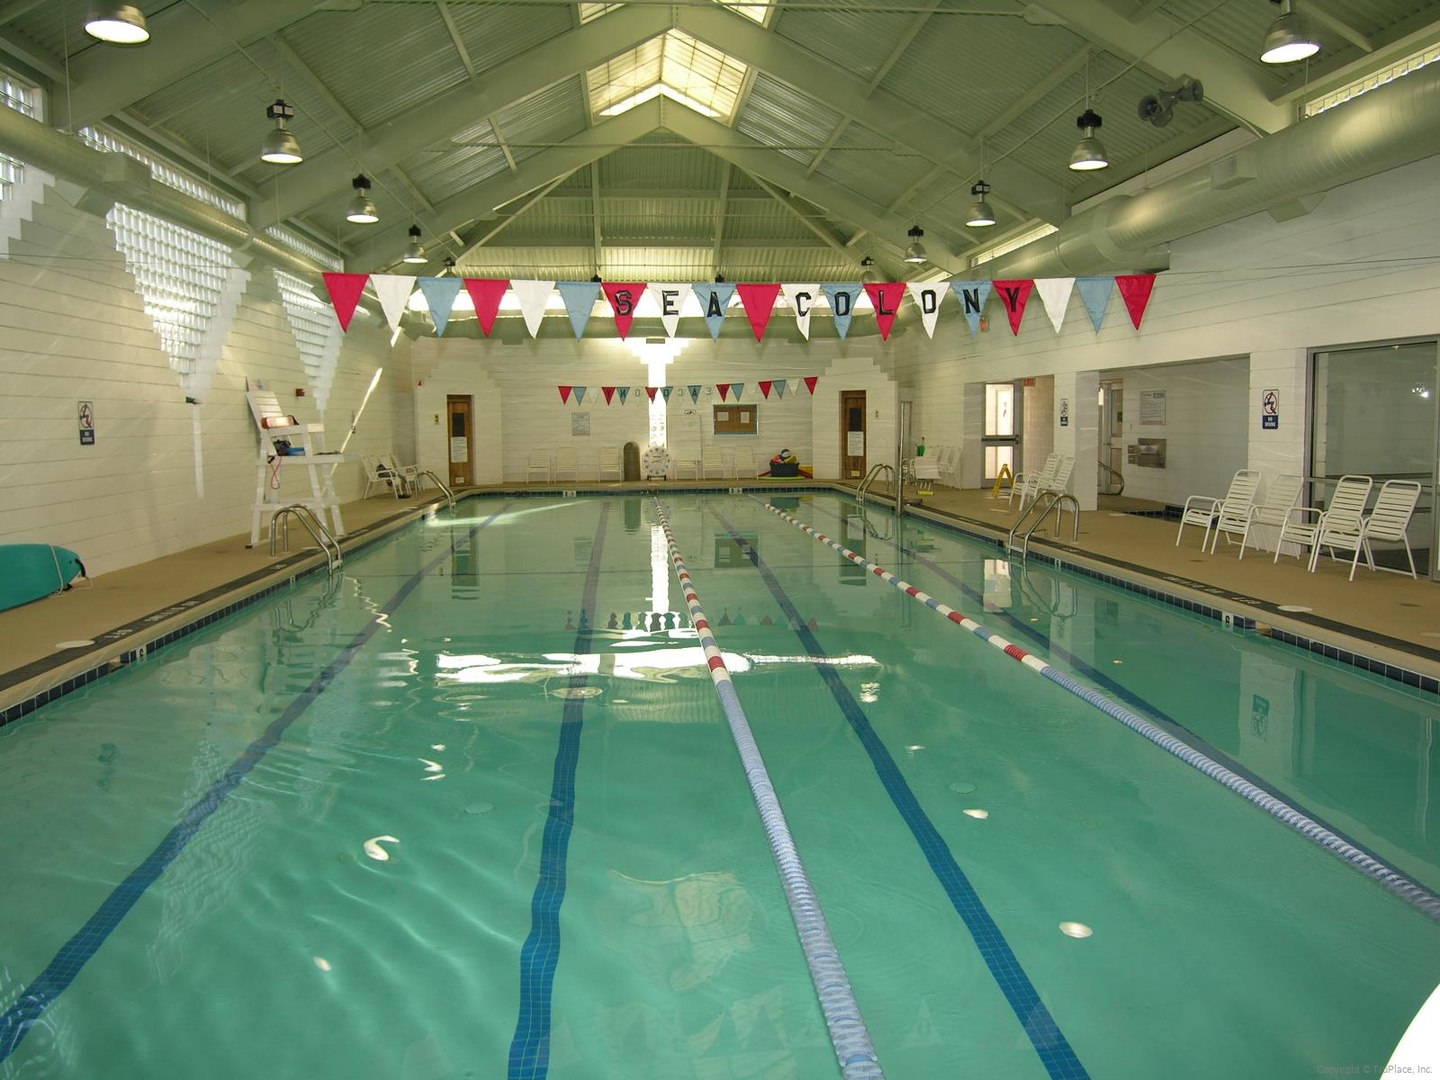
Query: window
x,y
163,171
23,99
736,420
675,65
317,333
295,242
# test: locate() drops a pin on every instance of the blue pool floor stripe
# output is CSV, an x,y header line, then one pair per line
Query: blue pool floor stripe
x,y
77,952
539,956
1050,1043
1406,888
854,1049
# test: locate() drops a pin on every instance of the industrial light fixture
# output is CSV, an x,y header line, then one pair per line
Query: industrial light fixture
x,y
980,212
915,253
362,208
449,267
280,146
414,251
117,24
1089,153
867,270
1289,38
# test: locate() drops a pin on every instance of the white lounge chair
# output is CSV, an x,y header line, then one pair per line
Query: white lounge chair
x,y
1281,496
610,467
1389,520
1207,512
1027,485
538,467
745,462
1346,508
567,464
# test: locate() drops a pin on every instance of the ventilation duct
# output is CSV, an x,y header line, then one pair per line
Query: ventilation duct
x,y
1384,129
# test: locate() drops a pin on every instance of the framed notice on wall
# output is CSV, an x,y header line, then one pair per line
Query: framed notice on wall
x,y
1152,407
579,423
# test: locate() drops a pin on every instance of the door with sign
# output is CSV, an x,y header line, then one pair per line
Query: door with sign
x,y
462,468
852,434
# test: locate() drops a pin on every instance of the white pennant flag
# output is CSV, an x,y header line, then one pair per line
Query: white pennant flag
x,y
533,296
393,290
1055,295
801,299
928,299
668,300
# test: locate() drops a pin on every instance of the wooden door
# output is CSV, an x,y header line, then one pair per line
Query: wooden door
x,y
461,441
852,434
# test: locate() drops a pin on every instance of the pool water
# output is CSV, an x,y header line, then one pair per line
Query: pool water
x,y
473,810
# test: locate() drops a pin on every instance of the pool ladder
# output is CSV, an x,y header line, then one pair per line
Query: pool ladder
x,y
1033,516
313,525
449,495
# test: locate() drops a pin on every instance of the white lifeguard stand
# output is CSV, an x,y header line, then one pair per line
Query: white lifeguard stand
x,y
273,424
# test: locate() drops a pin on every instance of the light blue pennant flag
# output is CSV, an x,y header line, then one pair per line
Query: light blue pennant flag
x,y
779,387
579,297
714,302
666,391
578,393
694,389
842,304
440,293
972,296
623,392
739,388
1095,291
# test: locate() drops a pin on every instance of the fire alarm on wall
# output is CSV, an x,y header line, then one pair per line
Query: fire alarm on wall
x,y
299,391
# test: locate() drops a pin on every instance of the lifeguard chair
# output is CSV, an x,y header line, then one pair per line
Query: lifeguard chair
x,y
286,444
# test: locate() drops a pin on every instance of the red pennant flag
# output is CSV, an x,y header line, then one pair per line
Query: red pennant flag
x,y
565,395
724,388
650,392
810,381
1135,290
609,392
886,297
1014,295
345,290
759,301
765,385
623,300
486,294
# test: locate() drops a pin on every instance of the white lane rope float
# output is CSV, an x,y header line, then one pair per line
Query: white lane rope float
x,y
1407,889
848,1033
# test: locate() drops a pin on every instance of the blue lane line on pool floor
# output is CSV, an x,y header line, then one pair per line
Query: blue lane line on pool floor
x,y
530,1047
1150,711
77,952
1055,1051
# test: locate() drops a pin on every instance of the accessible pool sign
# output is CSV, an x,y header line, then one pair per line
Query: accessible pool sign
x,y
1269,409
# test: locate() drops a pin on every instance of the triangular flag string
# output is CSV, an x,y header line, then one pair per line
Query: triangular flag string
x,y
928,298
345,290
1055,296
486,294
886,297
759,301
842,305
624,298
724,389
565,395
440,294
1014,295
1135,290
579,297
532,297
393,291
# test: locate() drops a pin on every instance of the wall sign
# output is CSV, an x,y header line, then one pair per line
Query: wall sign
x,y
1270,409
1152,407
86,410
579,423
1064,412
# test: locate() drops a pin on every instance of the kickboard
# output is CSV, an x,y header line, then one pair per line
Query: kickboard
x,y
34,571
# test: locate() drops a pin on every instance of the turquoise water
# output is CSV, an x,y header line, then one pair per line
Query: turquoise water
x,y
469,777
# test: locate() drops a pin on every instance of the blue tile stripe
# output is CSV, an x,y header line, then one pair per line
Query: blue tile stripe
x,y
530,1046
1050,1043
77,952
1412,892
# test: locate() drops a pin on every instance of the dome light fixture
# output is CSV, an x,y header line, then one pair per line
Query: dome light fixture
x,y
1289,38
280,146
117,24
1089,153
362,208
414,251
915,253
981,214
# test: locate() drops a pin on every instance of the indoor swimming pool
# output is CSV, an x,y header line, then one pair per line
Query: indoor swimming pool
x,y
473,808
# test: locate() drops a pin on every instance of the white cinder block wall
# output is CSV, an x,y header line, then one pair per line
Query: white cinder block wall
x,y
75,329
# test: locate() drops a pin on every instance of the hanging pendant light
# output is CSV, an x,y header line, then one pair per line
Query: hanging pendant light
x,y
414,252
280,146
915,253
1089,153
362,208
981,214
117,24
867,271
1289,38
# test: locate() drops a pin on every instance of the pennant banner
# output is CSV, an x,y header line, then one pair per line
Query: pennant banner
x,y
842,305
765,385
810,381
739,389
579,297
1135,290
780,385
440,294
928,299
1014,295
345,290
486,293
886,297
714,301
623,299
579,394
1055,295
623,392
565,395
665,390
759,301
972,296
801,299
609,392
1095,291
669,299
532,297
393,291
694,389
724,389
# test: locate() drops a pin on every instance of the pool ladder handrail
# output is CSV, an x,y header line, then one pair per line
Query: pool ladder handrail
x,y
1117,474
1039,509
313,525
449,495
872,476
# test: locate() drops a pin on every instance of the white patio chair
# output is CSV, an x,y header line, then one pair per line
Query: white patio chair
x,y
1302,524
567,464
687,468
538,467
718,464
610,467
950,465
1059,481
1205,511
1027,485
745,462
1281,495
1394,507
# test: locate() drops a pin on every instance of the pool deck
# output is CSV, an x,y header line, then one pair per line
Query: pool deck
x,y
1384,616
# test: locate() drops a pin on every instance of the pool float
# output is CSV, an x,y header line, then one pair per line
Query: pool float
x,y
34,571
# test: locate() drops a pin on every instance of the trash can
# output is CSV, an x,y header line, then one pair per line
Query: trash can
x,y
632,461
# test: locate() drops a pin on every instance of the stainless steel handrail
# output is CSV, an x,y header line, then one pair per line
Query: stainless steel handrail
x,y
1115,473
871,476
449,495
313,525
1040,508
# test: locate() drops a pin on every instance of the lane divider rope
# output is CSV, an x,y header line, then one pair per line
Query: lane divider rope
x,y
848,1033
1410,891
